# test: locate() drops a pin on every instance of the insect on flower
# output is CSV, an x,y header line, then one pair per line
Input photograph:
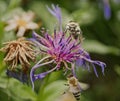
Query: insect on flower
x,y
21,23
73,29
19,51
74,89
60,49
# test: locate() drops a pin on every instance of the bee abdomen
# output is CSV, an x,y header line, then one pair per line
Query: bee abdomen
x,y
77,95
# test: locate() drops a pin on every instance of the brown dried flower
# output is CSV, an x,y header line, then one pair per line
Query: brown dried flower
x,y
19,51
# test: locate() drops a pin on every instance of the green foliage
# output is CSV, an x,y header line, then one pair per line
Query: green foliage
x,y
86,14
52,91
13,90
97,47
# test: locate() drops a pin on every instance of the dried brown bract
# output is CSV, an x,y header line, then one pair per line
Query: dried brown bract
x,y
19,51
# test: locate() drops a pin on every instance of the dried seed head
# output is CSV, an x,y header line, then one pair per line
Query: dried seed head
x,y
19,51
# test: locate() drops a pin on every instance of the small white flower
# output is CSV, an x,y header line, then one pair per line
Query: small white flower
x,y
21,23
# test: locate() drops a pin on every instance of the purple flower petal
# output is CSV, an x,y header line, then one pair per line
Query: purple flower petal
x,y
107,9
95,71
101,64
82,61
55,11
41,75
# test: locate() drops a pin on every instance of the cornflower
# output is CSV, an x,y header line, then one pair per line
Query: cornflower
x,y
107,9
60,49
21,23
19,51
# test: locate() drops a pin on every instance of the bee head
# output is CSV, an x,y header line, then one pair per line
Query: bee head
x,y
72,24
72,80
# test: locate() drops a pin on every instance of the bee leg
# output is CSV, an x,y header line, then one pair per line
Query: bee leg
x,y
64,93
65,31
43,30
81,39
66,84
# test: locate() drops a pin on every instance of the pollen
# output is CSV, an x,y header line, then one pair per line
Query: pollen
x,y
21,22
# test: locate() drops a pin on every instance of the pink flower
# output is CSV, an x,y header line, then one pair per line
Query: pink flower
x,y
61,49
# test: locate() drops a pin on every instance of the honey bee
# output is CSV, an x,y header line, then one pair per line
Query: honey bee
x,y
66,97
75,87
73,29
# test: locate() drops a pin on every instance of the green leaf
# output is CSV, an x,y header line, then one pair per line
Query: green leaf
x,y
11,13
97,47
13,4
53,91
1,31
3,7
85,16
15,89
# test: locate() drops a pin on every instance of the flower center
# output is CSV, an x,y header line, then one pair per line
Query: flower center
x,y
57,58
21,23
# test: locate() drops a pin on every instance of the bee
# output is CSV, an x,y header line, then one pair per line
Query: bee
x,y
73,29
66,97
75,87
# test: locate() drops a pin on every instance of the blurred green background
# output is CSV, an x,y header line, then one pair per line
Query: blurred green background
x,y
102,41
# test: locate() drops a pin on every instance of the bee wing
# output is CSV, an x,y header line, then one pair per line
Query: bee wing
x,y
84,86
67,96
